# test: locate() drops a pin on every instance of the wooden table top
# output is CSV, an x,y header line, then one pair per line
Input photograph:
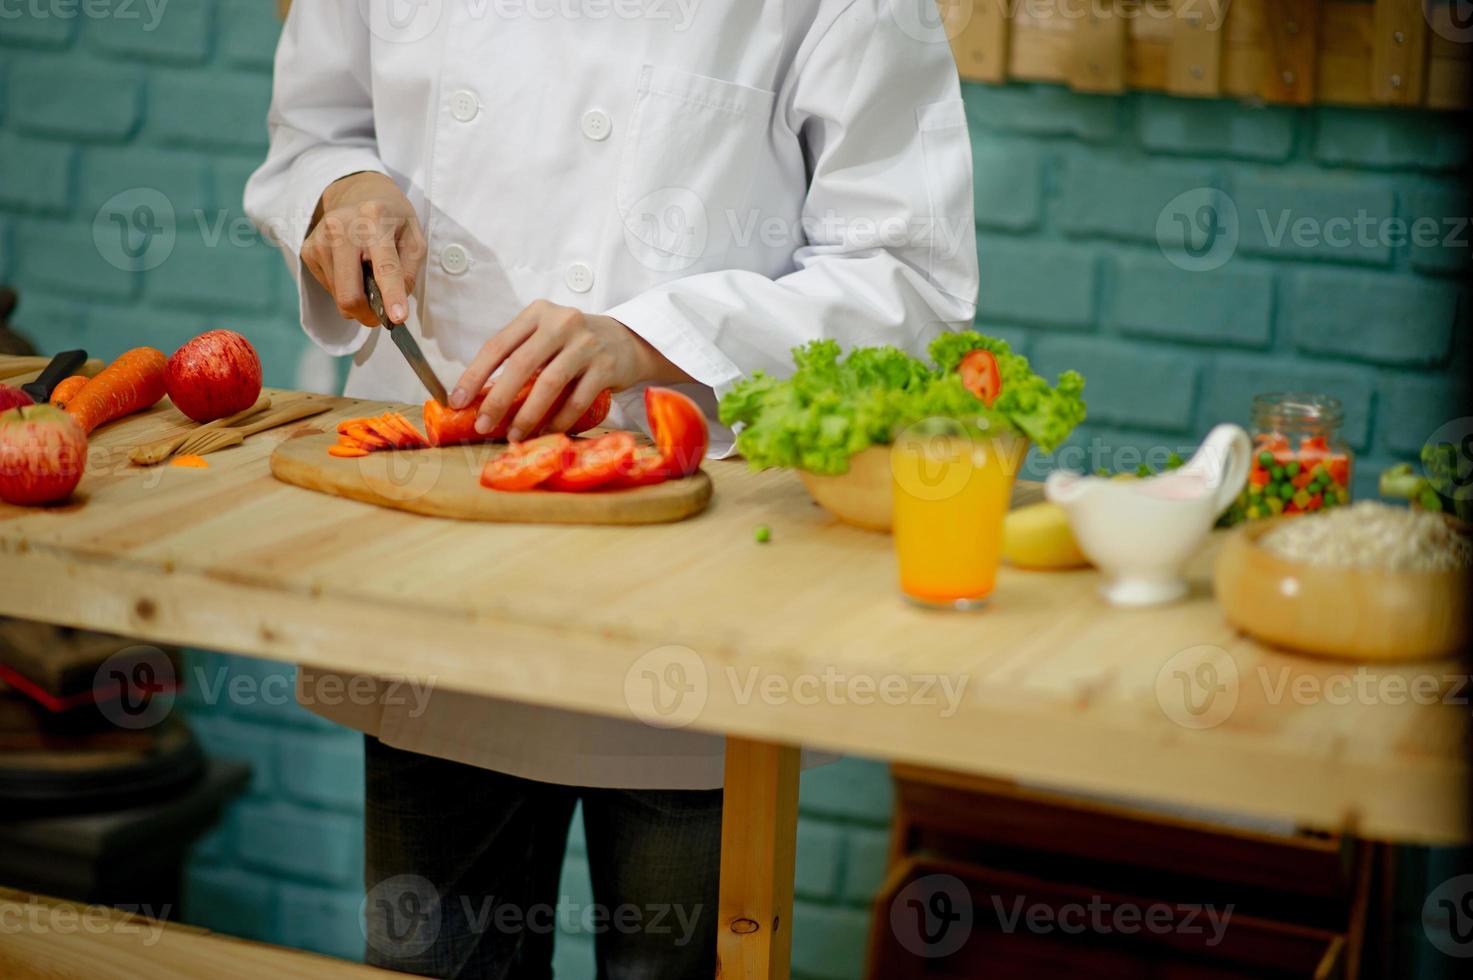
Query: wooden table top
x,y
53,939
802,640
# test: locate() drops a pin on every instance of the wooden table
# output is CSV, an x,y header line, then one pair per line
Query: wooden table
x,y
1167,704
43,938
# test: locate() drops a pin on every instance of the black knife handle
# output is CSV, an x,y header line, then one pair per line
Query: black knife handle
x,y
62,366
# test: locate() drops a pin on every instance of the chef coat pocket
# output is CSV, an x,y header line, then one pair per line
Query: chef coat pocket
x,y
947,214
687,167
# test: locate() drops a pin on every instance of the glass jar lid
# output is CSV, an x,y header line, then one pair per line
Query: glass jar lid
x,y
1296,410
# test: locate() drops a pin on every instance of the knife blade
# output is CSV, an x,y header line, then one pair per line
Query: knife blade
x,y
403,339
62,366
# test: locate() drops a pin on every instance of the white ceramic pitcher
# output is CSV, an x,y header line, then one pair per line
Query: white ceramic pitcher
x,y
1141,533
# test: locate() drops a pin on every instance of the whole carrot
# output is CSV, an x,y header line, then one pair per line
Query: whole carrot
x,y
132,383
67,389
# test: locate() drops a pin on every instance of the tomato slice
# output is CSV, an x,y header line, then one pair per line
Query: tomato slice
x,y
679,429
594,462
644,468
980,374
527,464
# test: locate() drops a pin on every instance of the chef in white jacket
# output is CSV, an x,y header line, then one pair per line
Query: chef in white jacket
x,y
619,193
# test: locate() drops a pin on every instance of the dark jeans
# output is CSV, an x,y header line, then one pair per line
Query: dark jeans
x,y
463,864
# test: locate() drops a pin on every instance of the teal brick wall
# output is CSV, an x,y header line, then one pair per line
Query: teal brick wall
x,y
1070,193
1326,281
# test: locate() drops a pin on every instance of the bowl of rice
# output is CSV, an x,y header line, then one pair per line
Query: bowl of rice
x,y
1367,582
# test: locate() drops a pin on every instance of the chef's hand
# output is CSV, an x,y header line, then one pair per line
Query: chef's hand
x,y
365,216
586,351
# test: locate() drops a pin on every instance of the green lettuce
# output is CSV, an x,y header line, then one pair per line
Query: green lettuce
x,y
835,405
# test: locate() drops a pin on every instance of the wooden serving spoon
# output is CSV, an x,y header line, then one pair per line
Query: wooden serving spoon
x,y
155,453
201,443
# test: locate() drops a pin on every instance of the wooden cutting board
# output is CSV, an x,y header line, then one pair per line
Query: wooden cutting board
x,y
446,483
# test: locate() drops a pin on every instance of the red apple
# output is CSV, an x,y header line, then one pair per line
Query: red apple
x,y
13,398
214,375
43,452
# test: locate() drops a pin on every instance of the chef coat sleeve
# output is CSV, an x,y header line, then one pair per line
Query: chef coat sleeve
x,y
889,251
321,129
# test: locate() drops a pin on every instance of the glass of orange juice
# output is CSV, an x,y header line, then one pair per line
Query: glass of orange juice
x,y
953,482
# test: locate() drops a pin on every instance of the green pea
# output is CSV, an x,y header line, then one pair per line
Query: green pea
x,y
762,534
1266,458
1276,474
1291,469
1286,490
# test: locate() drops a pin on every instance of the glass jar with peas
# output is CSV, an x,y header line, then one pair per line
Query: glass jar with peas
x,y
1300,463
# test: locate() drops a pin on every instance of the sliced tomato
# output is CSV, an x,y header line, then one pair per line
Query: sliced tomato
x,y
644,468
679,429
980,374
593,463
527,464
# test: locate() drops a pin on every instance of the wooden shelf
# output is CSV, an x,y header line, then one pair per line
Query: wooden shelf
x,y
1294,52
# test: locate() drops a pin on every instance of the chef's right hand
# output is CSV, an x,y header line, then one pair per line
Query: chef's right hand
x,y
365,216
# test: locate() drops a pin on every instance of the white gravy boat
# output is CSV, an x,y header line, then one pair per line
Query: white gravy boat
x,y
1141,533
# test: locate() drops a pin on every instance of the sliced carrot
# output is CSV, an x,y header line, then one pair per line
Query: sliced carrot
x,y
346,452
411,435
132,383
365,435
190,461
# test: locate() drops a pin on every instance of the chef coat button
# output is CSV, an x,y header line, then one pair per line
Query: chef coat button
x,y
454,260
579,277
464,105
597,125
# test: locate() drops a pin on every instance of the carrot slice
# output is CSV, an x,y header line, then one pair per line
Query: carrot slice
x,y
404,426
365,435
190,461
346,452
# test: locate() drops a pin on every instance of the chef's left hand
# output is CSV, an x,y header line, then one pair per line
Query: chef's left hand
x,y
586,351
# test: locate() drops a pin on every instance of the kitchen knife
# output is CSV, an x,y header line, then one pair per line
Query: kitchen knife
x,y
403,339
62,366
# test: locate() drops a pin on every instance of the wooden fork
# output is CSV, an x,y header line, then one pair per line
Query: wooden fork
x,y
201,443
156,452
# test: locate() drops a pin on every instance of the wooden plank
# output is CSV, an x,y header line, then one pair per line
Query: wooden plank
x,y
1290,32
52,939
1399,64
1041,48
1057,687
1098,55
980,44
759,839
1194,59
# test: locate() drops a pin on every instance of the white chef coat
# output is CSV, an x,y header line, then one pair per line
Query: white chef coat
x,y
728,178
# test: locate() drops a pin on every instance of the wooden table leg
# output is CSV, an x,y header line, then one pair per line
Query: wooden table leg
x,y
759,836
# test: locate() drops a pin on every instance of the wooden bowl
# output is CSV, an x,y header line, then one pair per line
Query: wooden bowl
x,y
864,496
1354,613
